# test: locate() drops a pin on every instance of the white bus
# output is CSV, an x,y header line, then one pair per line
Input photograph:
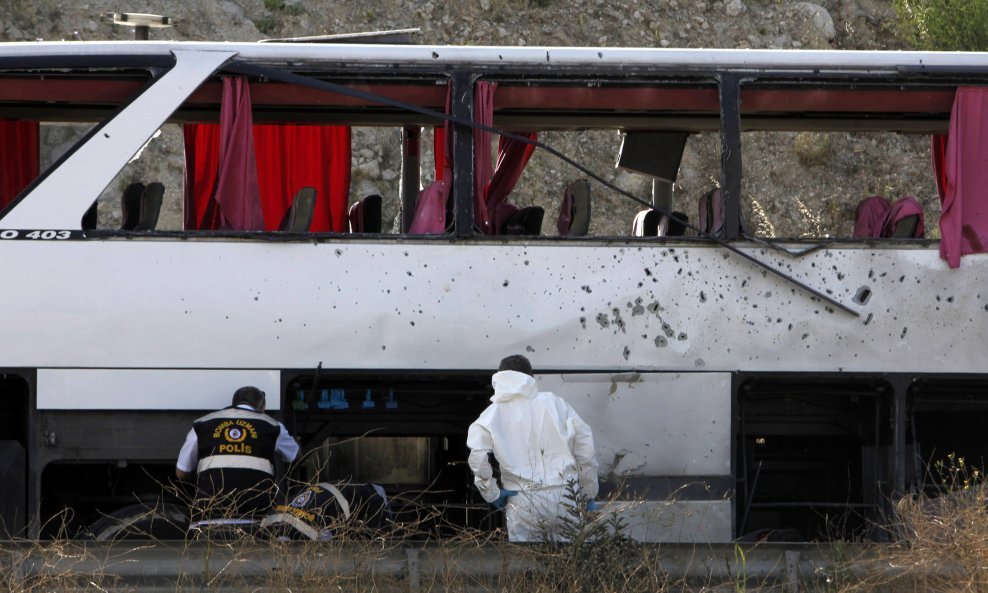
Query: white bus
x,y
748,380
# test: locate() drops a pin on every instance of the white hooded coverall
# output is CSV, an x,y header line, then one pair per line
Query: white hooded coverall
x,y
541,444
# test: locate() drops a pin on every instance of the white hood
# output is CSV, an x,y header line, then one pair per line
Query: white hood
x,y
510,385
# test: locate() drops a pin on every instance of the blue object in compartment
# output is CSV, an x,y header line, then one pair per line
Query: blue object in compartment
x,y
324,403
368,401
337,400
391,404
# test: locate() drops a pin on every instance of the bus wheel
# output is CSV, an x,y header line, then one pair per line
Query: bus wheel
x,y
141,521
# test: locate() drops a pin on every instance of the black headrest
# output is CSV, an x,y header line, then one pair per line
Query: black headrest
x,y
130,206
526,221
150,203
298,217
372,213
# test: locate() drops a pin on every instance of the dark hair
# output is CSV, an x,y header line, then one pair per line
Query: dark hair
x,y
516,362
250,395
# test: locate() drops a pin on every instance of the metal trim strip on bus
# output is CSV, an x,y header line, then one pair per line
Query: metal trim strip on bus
x,y
817,62
61,62
243,68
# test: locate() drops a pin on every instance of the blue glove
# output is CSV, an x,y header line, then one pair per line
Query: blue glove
x,y
502,498
591,505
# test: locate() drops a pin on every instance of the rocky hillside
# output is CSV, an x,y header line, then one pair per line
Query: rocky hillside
x,y
805,184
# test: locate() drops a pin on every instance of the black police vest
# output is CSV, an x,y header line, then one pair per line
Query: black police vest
x,y
311,512
235,475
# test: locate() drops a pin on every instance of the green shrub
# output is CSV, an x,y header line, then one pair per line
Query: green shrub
x,y
951,25
591,552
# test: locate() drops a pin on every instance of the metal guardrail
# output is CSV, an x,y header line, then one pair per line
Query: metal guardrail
x,y
218,566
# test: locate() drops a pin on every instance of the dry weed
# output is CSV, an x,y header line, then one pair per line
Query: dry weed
x,y
941,544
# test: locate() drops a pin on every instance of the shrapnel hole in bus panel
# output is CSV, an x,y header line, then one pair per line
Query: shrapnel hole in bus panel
x,y
403,431
946,429
811,155
811,457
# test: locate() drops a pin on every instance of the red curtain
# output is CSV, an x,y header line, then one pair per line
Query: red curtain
x,y
202,149
442,141
288,158
291,157
938,148
483,113
964,171
512,156
442,156
492,187
19,157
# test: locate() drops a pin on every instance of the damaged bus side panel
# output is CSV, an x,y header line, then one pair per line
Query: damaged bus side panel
x,y
738,385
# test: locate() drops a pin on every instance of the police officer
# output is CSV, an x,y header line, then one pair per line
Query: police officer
x,y
317,511
232,452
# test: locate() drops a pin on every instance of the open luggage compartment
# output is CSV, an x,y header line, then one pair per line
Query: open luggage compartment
x,y
402,430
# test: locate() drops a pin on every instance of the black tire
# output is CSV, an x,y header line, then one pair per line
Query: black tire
x,y
141,521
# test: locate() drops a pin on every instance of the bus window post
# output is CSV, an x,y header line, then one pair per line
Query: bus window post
x,y
463,165
411,150
730,154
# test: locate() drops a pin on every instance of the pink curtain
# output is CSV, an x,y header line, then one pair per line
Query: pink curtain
x,y
869,217
904,207
430,210
711,212
19,157
512,156
491,208
964,202
876,218
238,193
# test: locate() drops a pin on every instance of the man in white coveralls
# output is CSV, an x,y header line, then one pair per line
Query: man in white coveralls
x,y
541,445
